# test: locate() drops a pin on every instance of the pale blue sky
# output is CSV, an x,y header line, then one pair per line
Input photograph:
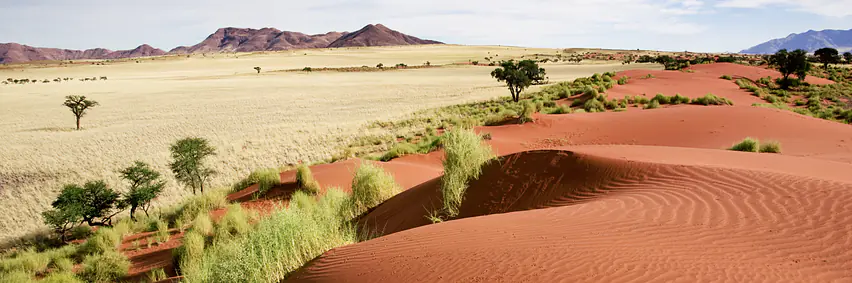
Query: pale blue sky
x,y
694,25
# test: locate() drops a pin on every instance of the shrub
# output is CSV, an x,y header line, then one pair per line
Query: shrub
x,y
561,110
623,80
371,186
195,205
748,145
203,224
305,179
63,264
61,277
679,99
302,200
770,147
107,267
399,150
711,99
800,102
500,118
29,262
162,234
527,113
662,99
593,105
282,243
653,105
235,222
103,241
726,77
264,178
464,156
16,276
190,254
641,100
589,91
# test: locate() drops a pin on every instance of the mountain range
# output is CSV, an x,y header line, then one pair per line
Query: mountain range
x,y
225,40
809,41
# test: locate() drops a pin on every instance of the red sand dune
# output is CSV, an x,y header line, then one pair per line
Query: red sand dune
x,y
644,195
617,214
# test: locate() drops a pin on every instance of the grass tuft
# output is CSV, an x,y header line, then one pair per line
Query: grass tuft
x,y
370,187
306,180
106,267
264,178
747,145
464,156
770,147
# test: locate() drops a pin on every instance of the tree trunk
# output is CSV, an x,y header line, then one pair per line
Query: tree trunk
x,y
132,210
78,123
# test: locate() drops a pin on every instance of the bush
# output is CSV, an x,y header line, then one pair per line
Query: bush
x,y
679,99
653,105
302,200
282,243
464,156
371,186
103,241
189,255
63,264
16,276
770,147
641,100
60,277
235,222
527,113
711,99
264,178
306,180
203,224
589,91
107,267
561,110
500,118
623,80
662,99
726,77
29,262
198,204
747,145
593,105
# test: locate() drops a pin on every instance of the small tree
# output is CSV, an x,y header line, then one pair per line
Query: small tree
x,y
78,105
188,162
827,56
790,63
93,203
257,69
518,76
145,185
848,57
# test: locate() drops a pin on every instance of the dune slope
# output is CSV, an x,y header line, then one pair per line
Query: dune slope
x,y
615,214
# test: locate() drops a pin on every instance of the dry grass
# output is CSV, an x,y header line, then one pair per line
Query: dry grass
x,y
254,120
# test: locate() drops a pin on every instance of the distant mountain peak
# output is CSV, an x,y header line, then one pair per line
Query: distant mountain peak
x,y
227,39
809,41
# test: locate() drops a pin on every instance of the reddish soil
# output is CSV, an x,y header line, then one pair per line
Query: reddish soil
x,y
647,195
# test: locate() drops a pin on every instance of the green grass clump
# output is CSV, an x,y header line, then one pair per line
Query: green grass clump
x,y
464,156
302,200
528,110
563,109
747,145
16,276
29,262
235,222
641,99
770,147
162,234
60,277
189,255
679,99
104,240
198,204
107,267
500,118
264,178
203,224
711,99
594,105
623,80
399,150
157,275
662,99
306,180
654,104
282,243
726,77
370,187
590,91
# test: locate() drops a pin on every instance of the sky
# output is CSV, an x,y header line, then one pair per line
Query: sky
x,y
675,25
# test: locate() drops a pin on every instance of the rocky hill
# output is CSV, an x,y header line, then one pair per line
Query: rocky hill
x,y
810,41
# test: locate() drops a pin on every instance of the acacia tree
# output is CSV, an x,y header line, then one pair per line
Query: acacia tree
x,y
188,162
145,186
257,69
848,57
791,63
93,203
78,105
518,76
827,56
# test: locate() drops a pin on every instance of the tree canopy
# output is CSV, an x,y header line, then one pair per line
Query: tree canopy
x,y
827,56
518,75
791,63
145,186
78,105
848,57
188,162
93,203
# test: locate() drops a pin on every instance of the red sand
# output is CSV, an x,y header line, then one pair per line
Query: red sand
x,y
615,214
643,195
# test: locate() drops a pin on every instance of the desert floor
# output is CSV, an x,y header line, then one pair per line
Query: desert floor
x,y
254,120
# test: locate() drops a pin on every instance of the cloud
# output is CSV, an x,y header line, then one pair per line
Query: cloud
x,y
831,8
